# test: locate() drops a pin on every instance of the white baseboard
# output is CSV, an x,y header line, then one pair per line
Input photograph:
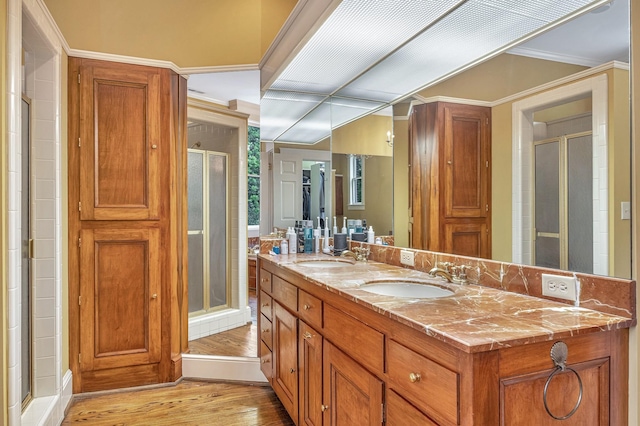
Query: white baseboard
x,y
49,410
222,368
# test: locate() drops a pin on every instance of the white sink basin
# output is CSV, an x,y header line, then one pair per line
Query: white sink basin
x,y
326,264
407,289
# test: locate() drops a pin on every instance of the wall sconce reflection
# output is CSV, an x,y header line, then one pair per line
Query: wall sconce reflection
x,y
390,137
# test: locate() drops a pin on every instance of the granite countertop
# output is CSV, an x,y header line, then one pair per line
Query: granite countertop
x,y
474,319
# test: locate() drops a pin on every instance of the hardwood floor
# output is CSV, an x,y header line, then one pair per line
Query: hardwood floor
x,y
188,403
241,341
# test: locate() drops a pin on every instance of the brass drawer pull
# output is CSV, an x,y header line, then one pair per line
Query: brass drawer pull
x,y
155,296
324,408
415,377
264,305
307,335
264,280
306,307
266,360
266,330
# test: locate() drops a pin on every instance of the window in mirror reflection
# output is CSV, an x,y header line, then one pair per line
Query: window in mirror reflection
x,y
356,179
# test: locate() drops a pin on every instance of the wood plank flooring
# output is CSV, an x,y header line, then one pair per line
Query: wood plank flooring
x,y
241,341
188,403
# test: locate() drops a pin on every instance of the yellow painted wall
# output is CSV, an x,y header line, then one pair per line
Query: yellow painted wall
x,y
401,183
189,33
378,189
366,136
571,109
500,77
273,15
3,215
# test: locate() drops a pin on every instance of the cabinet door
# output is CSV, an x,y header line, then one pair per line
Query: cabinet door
x,y
521,398
119,143
285,359
120,298
310,366
351,395
465,160
466,239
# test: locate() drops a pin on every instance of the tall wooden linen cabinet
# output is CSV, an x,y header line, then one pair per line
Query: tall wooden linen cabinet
x,y
127,224
450,178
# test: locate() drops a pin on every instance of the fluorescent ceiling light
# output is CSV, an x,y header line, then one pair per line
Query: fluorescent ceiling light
x,y
381,51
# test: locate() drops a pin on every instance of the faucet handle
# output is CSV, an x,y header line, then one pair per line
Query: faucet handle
x,y
447,266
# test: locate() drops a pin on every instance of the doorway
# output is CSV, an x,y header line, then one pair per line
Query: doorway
x,y
563,194
26,304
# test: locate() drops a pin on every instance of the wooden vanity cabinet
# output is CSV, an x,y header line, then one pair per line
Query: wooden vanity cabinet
x,y
351,365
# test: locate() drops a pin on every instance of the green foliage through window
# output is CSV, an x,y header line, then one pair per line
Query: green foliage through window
x,y
253,174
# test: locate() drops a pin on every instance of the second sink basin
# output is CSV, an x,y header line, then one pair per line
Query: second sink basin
x,y
407,289
325,263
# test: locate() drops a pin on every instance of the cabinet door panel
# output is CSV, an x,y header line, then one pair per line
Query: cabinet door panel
x,y
310,365
465,161
401,413
119,144
466,239
285,359
120,298
521,397
352,394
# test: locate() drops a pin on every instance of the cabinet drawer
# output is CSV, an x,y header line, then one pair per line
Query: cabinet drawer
x,y
401,413
357,339
266,361
285,293
429,386
310,308
266,332
265,280
266,305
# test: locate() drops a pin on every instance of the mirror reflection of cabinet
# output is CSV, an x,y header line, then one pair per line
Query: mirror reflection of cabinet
x,y
450,178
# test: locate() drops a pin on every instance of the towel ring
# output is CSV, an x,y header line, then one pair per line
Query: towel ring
x,y
559,352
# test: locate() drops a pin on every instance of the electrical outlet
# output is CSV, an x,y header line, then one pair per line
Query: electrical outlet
x,y
406,257
559,287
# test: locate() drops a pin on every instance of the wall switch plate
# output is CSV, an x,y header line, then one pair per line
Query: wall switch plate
x,y
559,287
625,210
406,257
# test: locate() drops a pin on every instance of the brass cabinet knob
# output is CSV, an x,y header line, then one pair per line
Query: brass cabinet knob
x,y
414,377
154,146
307,335
264,280
266,330
264,305
265,360
306,307
154,296
293,370
324,408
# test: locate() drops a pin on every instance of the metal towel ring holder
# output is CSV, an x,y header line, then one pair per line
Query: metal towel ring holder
x,y
559,352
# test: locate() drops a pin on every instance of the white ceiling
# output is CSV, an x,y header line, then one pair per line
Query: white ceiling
x,y
591,39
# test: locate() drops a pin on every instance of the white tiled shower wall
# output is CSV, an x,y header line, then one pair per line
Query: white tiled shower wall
x,y
29,28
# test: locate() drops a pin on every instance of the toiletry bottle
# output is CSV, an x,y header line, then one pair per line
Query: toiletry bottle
x,y
370,235
308,240
284,247
293,238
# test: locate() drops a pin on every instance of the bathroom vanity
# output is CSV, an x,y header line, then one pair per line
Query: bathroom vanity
x,y
336,353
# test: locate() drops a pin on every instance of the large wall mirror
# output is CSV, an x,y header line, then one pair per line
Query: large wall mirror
x,y
566,117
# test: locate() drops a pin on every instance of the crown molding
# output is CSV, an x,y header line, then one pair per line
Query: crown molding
x,y
448,99
551,56
211,107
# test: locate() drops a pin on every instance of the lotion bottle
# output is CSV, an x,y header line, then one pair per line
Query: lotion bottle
x,y
370,235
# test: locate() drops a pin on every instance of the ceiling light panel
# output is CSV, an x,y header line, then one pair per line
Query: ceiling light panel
x,y
471,32
345,110
281,110
357,35
312,128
